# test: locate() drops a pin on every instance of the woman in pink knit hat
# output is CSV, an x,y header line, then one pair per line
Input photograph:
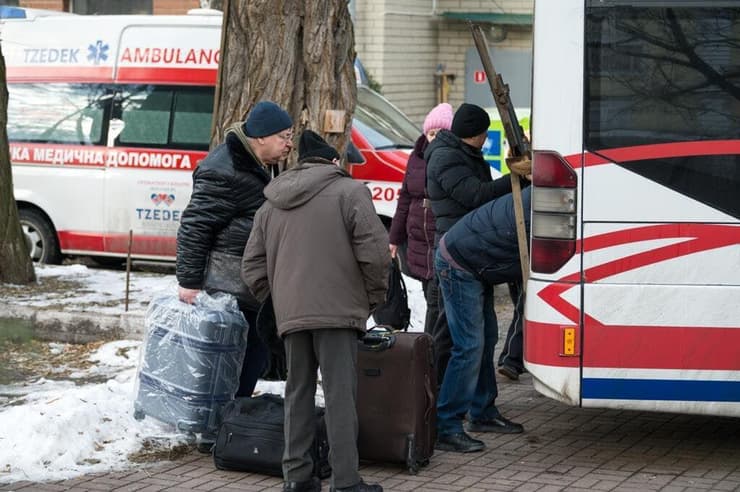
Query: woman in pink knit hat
x,y
413,223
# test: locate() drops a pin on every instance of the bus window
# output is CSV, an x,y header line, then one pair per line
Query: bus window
x,y
658,74
57,113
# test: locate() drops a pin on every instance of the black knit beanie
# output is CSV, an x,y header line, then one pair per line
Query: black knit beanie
x,y
265,119
470,120
312,145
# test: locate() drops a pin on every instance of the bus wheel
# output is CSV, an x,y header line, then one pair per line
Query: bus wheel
x,y
40,237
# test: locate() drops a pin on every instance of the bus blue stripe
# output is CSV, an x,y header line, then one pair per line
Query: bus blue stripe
x,y
661,389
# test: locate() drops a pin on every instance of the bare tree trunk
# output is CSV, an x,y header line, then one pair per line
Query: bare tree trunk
x,y
15,262
298,53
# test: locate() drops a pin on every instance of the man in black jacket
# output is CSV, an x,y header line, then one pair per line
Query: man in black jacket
x,y
215,226
458,181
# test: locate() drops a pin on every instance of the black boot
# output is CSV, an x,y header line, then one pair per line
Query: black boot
x,y
360,487
458,442
312,485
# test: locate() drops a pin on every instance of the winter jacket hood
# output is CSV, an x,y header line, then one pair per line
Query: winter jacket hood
x,y
319,248
300,184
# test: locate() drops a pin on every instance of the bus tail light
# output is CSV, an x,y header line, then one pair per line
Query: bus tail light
x,y
553,212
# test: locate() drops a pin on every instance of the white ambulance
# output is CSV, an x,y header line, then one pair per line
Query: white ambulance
x,y
109,115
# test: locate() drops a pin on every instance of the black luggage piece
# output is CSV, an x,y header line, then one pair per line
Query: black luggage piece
x,y
191,361
394,312
396,398
251,437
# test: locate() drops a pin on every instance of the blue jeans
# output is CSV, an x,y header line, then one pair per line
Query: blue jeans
x,y
469,384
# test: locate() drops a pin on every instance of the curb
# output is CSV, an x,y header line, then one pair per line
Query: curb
x,y
77,327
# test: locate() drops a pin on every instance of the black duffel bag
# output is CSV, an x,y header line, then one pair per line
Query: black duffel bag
x,y
251,437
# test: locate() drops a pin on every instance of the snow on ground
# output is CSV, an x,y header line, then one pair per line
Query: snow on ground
x,y
61,429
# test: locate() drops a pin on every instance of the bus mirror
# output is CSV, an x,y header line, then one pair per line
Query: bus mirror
x,y
115,127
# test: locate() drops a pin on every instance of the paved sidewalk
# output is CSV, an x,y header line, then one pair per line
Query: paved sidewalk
x,y
563,448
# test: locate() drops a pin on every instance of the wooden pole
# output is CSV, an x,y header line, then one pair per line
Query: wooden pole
x,y
517,143
128,265
521,230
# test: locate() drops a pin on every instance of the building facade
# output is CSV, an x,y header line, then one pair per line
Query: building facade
x,y
422,51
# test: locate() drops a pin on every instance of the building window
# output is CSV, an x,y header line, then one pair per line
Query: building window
x,y
100,7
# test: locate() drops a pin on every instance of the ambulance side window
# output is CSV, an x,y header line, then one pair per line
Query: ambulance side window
x,y
57,113
165,117
191,124
145,111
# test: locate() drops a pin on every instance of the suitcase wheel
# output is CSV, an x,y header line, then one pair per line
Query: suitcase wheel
x,y
411,462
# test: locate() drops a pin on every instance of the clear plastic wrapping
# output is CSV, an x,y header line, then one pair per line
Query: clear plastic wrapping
x,y
191,360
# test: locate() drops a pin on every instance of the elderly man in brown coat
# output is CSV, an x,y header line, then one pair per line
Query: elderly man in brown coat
x,y
319,248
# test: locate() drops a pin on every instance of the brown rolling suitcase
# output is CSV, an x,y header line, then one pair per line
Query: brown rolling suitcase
x,y
396,397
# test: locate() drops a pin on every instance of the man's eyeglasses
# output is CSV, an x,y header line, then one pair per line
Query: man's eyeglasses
x,y
287,136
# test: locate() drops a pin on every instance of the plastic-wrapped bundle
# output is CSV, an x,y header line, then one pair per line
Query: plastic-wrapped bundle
x,y
191,361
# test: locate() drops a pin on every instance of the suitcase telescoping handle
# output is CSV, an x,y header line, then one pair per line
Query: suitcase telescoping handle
x,y
377,339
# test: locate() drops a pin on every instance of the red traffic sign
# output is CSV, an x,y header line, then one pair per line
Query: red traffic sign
x,y
479,76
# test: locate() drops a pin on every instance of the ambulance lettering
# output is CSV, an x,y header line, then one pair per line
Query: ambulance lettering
x,y
50,55
155,214
385,193
170,56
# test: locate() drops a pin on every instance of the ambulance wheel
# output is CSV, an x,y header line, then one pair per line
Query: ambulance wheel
x,y
40,237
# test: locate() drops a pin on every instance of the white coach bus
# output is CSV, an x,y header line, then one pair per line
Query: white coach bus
x,y
634,296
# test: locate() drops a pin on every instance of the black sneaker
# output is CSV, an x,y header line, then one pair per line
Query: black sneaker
x,y
459,443
313,485
509,373
498,424
359,487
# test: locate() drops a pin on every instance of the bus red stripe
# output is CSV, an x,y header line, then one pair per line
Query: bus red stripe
x,y
662,347
701,237
656,151
543,343
637,347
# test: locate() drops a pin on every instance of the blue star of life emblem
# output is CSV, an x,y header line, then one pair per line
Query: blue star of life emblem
x,y
97,52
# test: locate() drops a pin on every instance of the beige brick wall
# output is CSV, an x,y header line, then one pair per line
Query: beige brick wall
x,y
401,45
160,7
60,5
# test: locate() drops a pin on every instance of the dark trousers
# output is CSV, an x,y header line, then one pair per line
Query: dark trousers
x,y
440,331
512,353
255,357
334,350
432,297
